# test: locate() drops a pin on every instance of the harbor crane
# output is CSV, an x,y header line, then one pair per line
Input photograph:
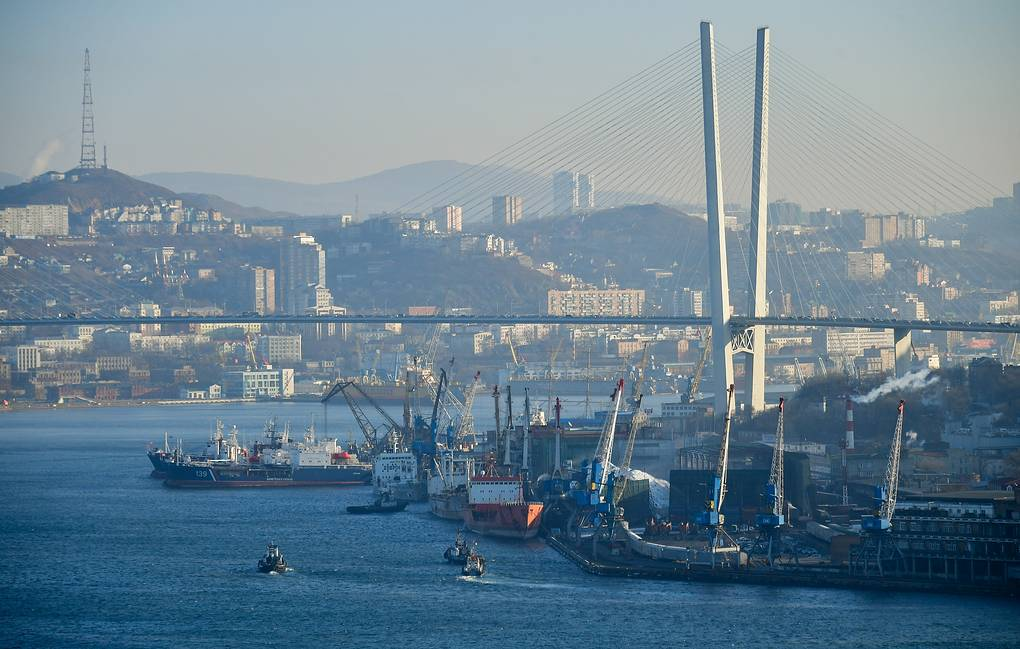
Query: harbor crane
x,y
466,424
636,422
719,541
600,464
639,381
773,517
877,549
699,370
373,435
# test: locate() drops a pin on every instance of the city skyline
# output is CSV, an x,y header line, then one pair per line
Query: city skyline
x,y
214,112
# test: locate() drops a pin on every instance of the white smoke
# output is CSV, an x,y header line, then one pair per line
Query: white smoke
x,y
910,381
41,161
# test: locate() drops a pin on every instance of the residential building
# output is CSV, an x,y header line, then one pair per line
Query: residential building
x,y
302,269
34,221
690,302
507,210
585,192
249,384
449,217
865,266
595,302
785,213
263,282
279,349
564,192
855,341
29,357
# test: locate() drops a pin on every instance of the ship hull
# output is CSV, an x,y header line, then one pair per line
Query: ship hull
x,y
449,505
238,476
513,521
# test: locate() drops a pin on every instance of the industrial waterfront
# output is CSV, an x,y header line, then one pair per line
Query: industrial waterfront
x,y
96,553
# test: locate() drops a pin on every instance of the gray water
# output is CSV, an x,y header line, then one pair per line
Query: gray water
x,y
95,553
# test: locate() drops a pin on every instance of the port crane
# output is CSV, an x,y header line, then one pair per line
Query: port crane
x,y
877,548
773,517
636,422
639,380
466,424
699,370
374,436
712,518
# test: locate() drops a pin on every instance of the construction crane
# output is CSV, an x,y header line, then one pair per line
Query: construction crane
x,y
372,434
434,422
797,372
774,517
876,547
706,351
712,518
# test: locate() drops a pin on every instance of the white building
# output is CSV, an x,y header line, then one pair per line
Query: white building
x,y
585,192
29,357
565,194
855,341
34,221
249,384
507,210
279,349
449,217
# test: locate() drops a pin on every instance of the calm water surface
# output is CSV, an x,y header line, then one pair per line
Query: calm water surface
x,y
94,553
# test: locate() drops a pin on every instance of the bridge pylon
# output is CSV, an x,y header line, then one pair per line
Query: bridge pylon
x,y
722,356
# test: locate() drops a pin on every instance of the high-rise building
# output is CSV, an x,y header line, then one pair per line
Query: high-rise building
x,y
29,357
564,192
591,302
507,210
872,232
34,221
448,217
690,302
302,269
279,349
149,310
585,192
785,213
263,281
865,266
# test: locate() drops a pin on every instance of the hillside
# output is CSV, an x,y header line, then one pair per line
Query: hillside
x,y
88,189
618,244
383,191
7,179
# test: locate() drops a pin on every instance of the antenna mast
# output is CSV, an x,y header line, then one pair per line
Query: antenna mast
x,y
88,132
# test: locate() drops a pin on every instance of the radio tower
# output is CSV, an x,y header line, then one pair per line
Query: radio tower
x,y
88,132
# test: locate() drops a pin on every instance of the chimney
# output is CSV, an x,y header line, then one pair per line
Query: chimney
x,y
850,424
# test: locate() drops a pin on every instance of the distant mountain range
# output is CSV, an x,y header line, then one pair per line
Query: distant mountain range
x,y
385,191
380,192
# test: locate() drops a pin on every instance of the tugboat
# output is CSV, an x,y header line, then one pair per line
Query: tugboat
x,y
384,504
273,561
458,552
474,565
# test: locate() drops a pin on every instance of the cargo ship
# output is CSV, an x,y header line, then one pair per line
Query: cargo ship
x,y
498,506
447,485
396,472
275,463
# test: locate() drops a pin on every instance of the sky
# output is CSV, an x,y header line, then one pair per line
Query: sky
x,y
327,91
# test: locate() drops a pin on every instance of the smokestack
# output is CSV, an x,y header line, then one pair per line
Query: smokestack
x,y
850,424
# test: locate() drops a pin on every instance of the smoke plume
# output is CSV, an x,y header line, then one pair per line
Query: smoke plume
x,y
910,381
41,161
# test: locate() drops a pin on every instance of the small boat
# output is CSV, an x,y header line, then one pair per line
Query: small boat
x,y
384,504
273,561
474,566
458,552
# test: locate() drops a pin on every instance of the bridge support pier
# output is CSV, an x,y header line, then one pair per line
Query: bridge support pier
x,y
722,357
902,345
755,365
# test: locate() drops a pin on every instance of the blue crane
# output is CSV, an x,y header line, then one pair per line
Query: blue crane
x,y
877,548
712,518
773,517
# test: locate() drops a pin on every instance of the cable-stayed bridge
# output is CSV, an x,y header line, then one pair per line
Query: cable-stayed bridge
x,y
701,130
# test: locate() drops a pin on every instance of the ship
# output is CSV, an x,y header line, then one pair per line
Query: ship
x,y
395,472
160,457
447,485
274,463
498,506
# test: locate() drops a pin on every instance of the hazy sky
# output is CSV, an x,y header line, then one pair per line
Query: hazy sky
x,y
317,92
